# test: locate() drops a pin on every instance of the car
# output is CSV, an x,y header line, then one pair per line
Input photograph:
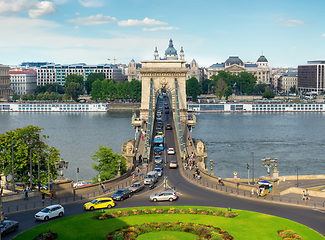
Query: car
x,y
159,171
158,159
136,187
157,151
8,226
50,212
159,165
97,203
167,112
169,127
121,194
163,196
170,151
166,103
81,184
158,118
161,134
166,107
151,177
173,164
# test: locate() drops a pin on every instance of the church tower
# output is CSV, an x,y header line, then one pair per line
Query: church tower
x,y
156,54
181,54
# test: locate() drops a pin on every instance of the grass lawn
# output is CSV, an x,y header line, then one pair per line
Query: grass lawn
x,y
248,225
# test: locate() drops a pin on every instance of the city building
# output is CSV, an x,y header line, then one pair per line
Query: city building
x,y
133,72
5,90
23,82
193,70
56,73
286,81
34,64
311,77
235,65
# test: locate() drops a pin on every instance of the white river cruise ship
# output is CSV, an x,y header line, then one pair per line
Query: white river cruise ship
x,y
257,107
54,107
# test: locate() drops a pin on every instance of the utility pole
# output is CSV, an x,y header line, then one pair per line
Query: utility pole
x,y
77,173
248,173
253,168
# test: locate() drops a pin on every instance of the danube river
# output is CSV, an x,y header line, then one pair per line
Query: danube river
x,y
296,139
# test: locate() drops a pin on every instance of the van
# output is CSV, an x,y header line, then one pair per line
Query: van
x,y
151,176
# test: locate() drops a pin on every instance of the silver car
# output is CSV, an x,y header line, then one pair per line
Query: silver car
x,y
136,187
50,212
158,159
159,171
164,196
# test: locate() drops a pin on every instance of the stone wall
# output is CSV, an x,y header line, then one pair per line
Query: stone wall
x,y
124,106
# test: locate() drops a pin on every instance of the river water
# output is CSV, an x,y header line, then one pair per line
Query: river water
x,y
296,139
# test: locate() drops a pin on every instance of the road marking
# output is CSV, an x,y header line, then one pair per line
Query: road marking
x,y
319,210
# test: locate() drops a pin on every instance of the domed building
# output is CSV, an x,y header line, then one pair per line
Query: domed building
x,y
235,65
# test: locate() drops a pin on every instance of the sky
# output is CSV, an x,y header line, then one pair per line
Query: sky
x,y
289,33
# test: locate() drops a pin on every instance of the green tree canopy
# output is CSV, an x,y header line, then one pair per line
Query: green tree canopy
x,y
193,88
49,87
15,97
268,94
260,88
206,85
96,92
25,97
293,89
106,163
92,77
74,90
22,141
74,78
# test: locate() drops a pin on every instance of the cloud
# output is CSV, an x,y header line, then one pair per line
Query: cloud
x,y
77,13
145,22
59,1
76,27
290,23
159,28
323,35
92,3
292,48
93,20
34,8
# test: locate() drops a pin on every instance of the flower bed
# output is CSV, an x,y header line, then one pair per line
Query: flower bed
x,y
202,231
133,212
48,235
288,234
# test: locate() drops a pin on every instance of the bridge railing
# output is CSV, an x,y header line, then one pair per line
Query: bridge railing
x,y
177,121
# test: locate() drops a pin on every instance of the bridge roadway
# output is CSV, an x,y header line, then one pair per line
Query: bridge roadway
x,y
189,194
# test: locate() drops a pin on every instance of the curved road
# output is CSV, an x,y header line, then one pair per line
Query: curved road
x,y
190,194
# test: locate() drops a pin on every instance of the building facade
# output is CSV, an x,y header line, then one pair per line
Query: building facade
x,y
235,65
5,90
193,70
23,82
311,77
133,72
286,81
56,73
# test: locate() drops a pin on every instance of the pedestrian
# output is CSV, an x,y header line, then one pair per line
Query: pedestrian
x,y
140,158
142,137
219,180
307,195
7,185
133,177
26,194
103,187
193,174
138,172
51,195
43,198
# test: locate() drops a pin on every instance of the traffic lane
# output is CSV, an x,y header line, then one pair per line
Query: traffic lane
x,y
306,216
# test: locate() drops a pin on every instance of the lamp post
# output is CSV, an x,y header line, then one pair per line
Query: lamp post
x,y
119,168
211,166
38,170
30,168
268,162
61,165
13,166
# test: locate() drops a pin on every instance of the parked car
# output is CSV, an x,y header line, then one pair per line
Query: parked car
x,y
80,184
159,171
158,159
163,196
121,194
136,187
8,226
173,164
171,151
106,202
169,127
50,212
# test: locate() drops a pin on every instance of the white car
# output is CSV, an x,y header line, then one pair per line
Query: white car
x,y
159,171
50,212
170,151
81,184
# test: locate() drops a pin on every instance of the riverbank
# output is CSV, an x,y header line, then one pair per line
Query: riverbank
x,y
124,106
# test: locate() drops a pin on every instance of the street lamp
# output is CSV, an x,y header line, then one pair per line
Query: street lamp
x,y
61,165
119,168
211,164
268,162
13,165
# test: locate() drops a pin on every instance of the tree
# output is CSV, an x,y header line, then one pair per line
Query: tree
x,y
107,163
206,85
74,78
46,96
92,77
293,89
31,97
24,141
220,88
96,91
74,89
111,89
193,88
40,96
25,97
59,97
136,89
119,90
268,94
66,97
15,97
260,88
52,96
246,82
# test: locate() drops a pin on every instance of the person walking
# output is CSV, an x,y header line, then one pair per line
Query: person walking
x,y
25,194
43,198
138,172
103,188
140,158
193,174
307,195
51,195
219,180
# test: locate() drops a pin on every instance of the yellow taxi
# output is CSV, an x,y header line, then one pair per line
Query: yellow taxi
x,y
99,203
161,134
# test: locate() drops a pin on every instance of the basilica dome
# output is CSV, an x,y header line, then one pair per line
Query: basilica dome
x,y
262,59
170,50
234,60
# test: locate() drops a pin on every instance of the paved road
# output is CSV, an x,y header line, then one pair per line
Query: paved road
x,y
190,194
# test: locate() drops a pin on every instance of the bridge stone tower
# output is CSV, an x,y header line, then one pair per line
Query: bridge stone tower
x,y
163,72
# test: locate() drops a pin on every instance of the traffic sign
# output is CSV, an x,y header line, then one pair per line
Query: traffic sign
x,y
235,173
235,176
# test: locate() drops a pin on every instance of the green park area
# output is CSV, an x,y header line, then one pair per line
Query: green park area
x,y
185,222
